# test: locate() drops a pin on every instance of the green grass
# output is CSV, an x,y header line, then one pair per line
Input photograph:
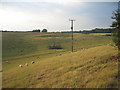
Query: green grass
x,y
93,63
21,47
16,45
54,36
20,44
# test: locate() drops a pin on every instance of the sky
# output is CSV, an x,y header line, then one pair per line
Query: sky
x,y
54,15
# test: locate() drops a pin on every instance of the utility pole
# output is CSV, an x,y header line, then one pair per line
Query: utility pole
x,y
119,14
72,20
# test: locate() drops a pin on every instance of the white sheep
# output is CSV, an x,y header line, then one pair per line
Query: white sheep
x,y
6,61
20,66
26,64
32,62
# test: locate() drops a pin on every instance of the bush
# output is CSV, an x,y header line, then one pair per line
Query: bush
x,y
55,46
116,38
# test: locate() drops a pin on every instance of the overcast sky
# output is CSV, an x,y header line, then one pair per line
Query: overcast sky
x,y
54,15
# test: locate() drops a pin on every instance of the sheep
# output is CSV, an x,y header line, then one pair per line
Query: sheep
x,y
6,61
20,66
26,64
32,62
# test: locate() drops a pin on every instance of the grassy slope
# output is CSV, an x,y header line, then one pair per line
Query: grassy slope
x,y
91,68
14,44
21,44
35,48
85,68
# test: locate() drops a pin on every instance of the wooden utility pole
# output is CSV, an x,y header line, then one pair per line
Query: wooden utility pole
x,y
72,20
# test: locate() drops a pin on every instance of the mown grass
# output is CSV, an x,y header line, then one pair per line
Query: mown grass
x,y
70,70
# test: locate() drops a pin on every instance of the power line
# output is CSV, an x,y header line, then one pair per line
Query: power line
x,y
72,20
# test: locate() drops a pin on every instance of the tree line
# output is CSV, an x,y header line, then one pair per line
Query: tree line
x,y
96,30
38,30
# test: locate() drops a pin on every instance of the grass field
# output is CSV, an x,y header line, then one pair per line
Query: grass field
x,y
93,64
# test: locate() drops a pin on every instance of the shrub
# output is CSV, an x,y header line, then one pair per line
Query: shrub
x,y
116,38
55,46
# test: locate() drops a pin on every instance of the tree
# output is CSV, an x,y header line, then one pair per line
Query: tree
x,y
44,30
116,17
36,30
116,26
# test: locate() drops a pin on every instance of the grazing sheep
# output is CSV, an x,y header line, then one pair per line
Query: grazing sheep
x,y
26,64
32,62
20,66
6,61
